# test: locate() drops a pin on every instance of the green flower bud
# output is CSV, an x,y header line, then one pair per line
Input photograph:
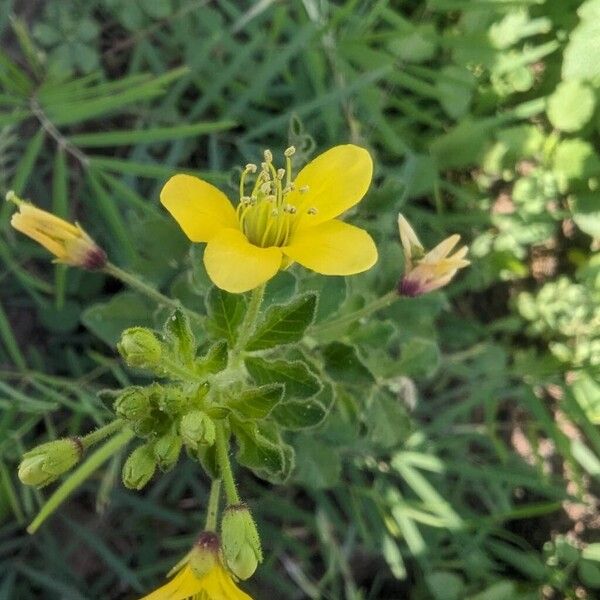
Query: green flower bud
x,y
204,554
140,348
47,462
139,468
133,404
197,428
241,542
174,401
167,449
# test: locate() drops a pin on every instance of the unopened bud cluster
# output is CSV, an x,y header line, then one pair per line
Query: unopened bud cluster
x,y
168,418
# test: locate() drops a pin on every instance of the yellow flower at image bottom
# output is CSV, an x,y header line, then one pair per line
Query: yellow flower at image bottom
x,y
216,584
278,220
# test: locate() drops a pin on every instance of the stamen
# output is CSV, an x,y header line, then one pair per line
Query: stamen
x,y
280,173
268,156
288,152
251,168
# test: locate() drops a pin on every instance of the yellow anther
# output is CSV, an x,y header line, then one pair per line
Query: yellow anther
x,y
289,151
250,168
280,173
268,156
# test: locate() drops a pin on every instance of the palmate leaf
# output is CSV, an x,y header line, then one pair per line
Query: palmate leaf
x,y
148,136
64,112
284,323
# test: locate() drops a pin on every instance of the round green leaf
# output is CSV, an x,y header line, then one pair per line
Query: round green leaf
x,y
571,106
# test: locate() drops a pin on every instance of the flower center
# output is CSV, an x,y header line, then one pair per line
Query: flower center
x,y
265,216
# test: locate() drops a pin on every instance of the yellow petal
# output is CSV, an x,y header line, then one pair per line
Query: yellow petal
x,y
336,180
235,265
333,248
199,207
442,249
218,584
184,585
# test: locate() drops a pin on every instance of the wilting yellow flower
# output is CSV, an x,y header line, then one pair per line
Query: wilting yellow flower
x,y
279,221
203,576
67,241
425,272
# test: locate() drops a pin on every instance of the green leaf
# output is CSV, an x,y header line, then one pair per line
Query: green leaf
x,y
214,361
571,105
580,58
256,403
225,312
331,292
343,364
419,357
318,466
262,451
455,85
302,414
463,145
574,161
179,336
284,323
387,421
298,379
586,212
589,573
107,320
149,135
446,585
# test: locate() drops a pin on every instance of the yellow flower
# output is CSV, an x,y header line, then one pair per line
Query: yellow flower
x,y
280,221
425,272
202,577
68,242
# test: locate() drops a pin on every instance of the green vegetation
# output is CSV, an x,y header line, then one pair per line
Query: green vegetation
x,y
460,453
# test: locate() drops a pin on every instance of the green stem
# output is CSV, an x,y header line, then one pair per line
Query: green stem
x,y
141,286
101,433
231,492
249,322
213,505
365,311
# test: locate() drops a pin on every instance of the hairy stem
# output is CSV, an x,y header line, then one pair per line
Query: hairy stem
x,y
101,433
135,282
231,492
213,505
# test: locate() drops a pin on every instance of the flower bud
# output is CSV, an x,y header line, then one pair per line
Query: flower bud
x,y
47,462
241,542
167,449
139,468
133,404
204,554
197,428
140,348
69,243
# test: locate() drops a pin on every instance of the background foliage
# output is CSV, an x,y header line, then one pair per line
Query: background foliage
x,y
468,466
